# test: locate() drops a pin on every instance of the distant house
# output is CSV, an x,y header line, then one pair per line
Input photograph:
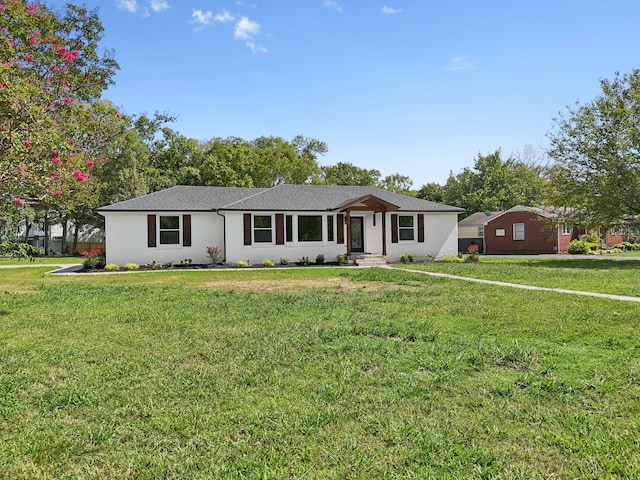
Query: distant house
x,y
471,230
525,230
285,221
50,237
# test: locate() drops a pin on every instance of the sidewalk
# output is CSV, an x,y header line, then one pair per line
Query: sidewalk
x,y
623,298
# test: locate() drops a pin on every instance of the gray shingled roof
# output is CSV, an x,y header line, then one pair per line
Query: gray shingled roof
x,y
182,198
478,218
278,198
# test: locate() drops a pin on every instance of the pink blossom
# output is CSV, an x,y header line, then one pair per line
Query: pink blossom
x,y
55,158
17,202
58,192
91,164
29,58
21,168
27,144
80,177
67,100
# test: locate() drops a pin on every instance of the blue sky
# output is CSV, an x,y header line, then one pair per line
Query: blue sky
x,y
415,87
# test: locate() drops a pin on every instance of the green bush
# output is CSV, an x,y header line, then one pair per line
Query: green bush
x,y
131,266
590,238
242,264
407,258
267,263
582,247
111,267
453,260
320,259
627,246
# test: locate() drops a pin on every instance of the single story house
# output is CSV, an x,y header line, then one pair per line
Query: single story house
x,y
471,230
525,230
281,222
50,237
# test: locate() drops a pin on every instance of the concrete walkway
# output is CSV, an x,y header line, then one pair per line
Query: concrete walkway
x,y
623,298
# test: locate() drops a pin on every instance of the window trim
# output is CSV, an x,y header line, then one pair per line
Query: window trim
x,y
300,231
177,230
405,228
255,229
500,232
516,233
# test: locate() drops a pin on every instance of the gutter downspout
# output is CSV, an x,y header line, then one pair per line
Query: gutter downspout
x,y
224,234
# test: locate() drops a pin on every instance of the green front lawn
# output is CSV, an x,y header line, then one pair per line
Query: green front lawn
x,y
312,373
40,260
604,275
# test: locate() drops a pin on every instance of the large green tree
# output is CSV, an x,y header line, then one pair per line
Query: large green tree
x,y
492,184
595,148
51,75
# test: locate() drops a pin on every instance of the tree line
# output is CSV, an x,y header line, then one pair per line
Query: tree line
x,y
65,150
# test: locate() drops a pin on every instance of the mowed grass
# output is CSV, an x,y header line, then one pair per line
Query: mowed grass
x,y
40,261
312,373
603,275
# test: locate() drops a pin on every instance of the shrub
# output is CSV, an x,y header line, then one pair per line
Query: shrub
x,y
154,265
453,260
320,259
242,264
472,254
304,260
407,258
18,249
267,263
131,266
628,246
214,253
93,259
284,261
342,259
111,267
590,238
582,247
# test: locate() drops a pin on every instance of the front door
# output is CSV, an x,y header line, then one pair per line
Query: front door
x,y
357,234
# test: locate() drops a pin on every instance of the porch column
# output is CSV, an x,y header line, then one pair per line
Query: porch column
x,y
384,233
348,217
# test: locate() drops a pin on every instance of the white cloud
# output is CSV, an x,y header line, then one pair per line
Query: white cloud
x,y
202,18
224,17
459,63
159,5
390,11
332,4
257,48
246,29
130,5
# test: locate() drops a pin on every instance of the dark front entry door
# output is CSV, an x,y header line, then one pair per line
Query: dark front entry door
x,y
357,234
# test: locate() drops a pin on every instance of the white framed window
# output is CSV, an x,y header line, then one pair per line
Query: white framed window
x,y
309,228
481,231
500,232
169,230
262,229
405,227
567,229
518,231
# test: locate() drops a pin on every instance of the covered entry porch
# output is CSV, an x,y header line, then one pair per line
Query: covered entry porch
x,y
365,221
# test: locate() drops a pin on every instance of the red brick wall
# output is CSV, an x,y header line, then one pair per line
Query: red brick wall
x,y
616,236
540,235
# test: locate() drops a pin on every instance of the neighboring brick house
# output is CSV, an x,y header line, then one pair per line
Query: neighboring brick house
x,y
522,230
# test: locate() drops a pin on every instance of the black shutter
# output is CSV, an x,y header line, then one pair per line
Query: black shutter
x,y
151,231
247,228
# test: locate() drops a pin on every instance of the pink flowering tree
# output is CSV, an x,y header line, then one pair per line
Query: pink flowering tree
x,y
51,119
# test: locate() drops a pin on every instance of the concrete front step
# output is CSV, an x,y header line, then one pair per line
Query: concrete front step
x,y
371,260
